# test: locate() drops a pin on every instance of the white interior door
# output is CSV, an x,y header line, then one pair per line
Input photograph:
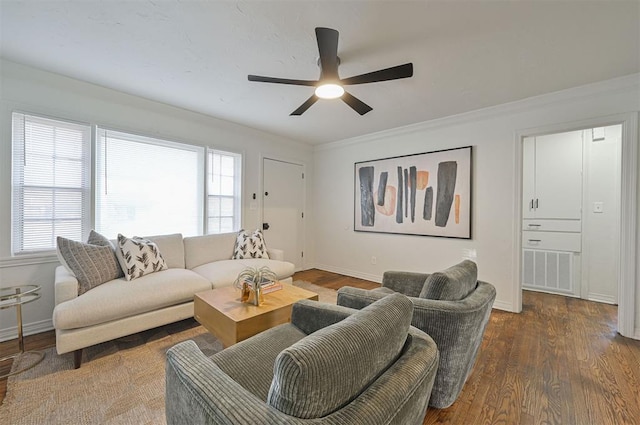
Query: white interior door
x,y
283,203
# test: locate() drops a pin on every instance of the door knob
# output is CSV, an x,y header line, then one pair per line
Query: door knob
x,y
265,226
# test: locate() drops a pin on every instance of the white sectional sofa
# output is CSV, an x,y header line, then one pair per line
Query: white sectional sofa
x,y
118,308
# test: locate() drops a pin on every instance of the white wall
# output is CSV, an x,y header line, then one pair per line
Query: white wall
x,y
600,235
30,90
492,132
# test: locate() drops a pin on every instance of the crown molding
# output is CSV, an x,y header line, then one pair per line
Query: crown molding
x,y
615,85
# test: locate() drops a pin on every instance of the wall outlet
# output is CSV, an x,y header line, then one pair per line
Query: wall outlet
x,y
470,254
598,207
374,260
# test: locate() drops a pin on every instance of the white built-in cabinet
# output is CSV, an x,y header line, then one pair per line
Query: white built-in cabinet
x,y
552,176
552,212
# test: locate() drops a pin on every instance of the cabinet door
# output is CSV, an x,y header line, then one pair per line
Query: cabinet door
x,y
528,177
558,171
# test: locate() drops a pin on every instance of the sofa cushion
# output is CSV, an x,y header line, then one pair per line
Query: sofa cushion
x,y
224,272
172,249
118,298
326,370
452,284
199,250
138,257
93,263
250,245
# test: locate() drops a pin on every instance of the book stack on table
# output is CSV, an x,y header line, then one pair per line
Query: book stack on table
x,y
271,286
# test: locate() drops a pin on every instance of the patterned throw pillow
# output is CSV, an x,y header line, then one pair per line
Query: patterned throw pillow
x,y
250,245
92,263
138,257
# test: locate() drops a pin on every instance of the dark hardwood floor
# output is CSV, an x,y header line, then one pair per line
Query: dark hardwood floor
x,y
558,362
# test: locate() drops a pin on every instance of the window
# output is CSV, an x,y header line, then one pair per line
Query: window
x,y
223,191
51,182
142,186
147,186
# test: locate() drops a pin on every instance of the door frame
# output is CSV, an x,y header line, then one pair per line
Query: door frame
x,y
304,199
627,271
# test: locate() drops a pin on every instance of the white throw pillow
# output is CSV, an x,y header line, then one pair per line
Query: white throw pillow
x,y
250,245
138,257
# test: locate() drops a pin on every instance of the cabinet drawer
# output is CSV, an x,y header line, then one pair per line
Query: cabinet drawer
x,y
552,225
556,241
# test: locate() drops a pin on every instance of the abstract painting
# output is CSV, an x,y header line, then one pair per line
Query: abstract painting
x,y
426,194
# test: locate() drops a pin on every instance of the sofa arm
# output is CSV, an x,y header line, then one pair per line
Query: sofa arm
x,y
407,283
310,316
65,284
275,254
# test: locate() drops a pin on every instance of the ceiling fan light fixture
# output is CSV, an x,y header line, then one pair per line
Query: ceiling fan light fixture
x,y
329,91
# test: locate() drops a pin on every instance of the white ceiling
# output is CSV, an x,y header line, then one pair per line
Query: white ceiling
x,y
197,54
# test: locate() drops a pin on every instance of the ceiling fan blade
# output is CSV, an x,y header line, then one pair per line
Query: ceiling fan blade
x,y
356,104
262,79
328,49
306,105
393,73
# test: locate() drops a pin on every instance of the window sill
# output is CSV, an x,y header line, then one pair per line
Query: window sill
x,y
28,260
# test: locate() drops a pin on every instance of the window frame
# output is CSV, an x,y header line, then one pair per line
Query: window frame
x,y
89,191
237,195
17,198
152,141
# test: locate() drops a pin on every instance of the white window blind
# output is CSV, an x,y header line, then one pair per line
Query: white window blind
x,y
147,186
224,172
51,182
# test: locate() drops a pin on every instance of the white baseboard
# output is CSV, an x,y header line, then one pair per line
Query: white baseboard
x,y
550,292
351,273
601,298
636,335
27,329
504,306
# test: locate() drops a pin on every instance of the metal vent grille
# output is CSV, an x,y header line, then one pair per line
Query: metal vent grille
x,y
549,270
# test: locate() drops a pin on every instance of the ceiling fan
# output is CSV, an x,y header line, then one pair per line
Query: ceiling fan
x,y
330,85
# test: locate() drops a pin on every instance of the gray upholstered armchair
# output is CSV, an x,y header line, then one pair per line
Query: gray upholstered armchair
x,y
452,306
330,365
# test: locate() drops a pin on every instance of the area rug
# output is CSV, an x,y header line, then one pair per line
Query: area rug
x,y
120,382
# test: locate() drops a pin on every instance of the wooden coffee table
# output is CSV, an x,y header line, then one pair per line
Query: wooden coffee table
x,y
221,312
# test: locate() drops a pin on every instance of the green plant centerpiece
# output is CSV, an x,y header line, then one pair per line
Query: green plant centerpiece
x,y
250,281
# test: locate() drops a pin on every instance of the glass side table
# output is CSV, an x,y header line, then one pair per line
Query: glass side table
x,y
17,296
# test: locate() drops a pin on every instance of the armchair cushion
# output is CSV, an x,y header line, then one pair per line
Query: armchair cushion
x,y
325,371
452,284
256,356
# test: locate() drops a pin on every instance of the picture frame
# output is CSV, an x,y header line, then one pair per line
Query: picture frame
x,y
424,194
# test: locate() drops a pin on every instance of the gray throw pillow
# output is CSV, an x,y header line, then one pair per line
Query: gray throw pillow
x,y
92,263
452,284
326,370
